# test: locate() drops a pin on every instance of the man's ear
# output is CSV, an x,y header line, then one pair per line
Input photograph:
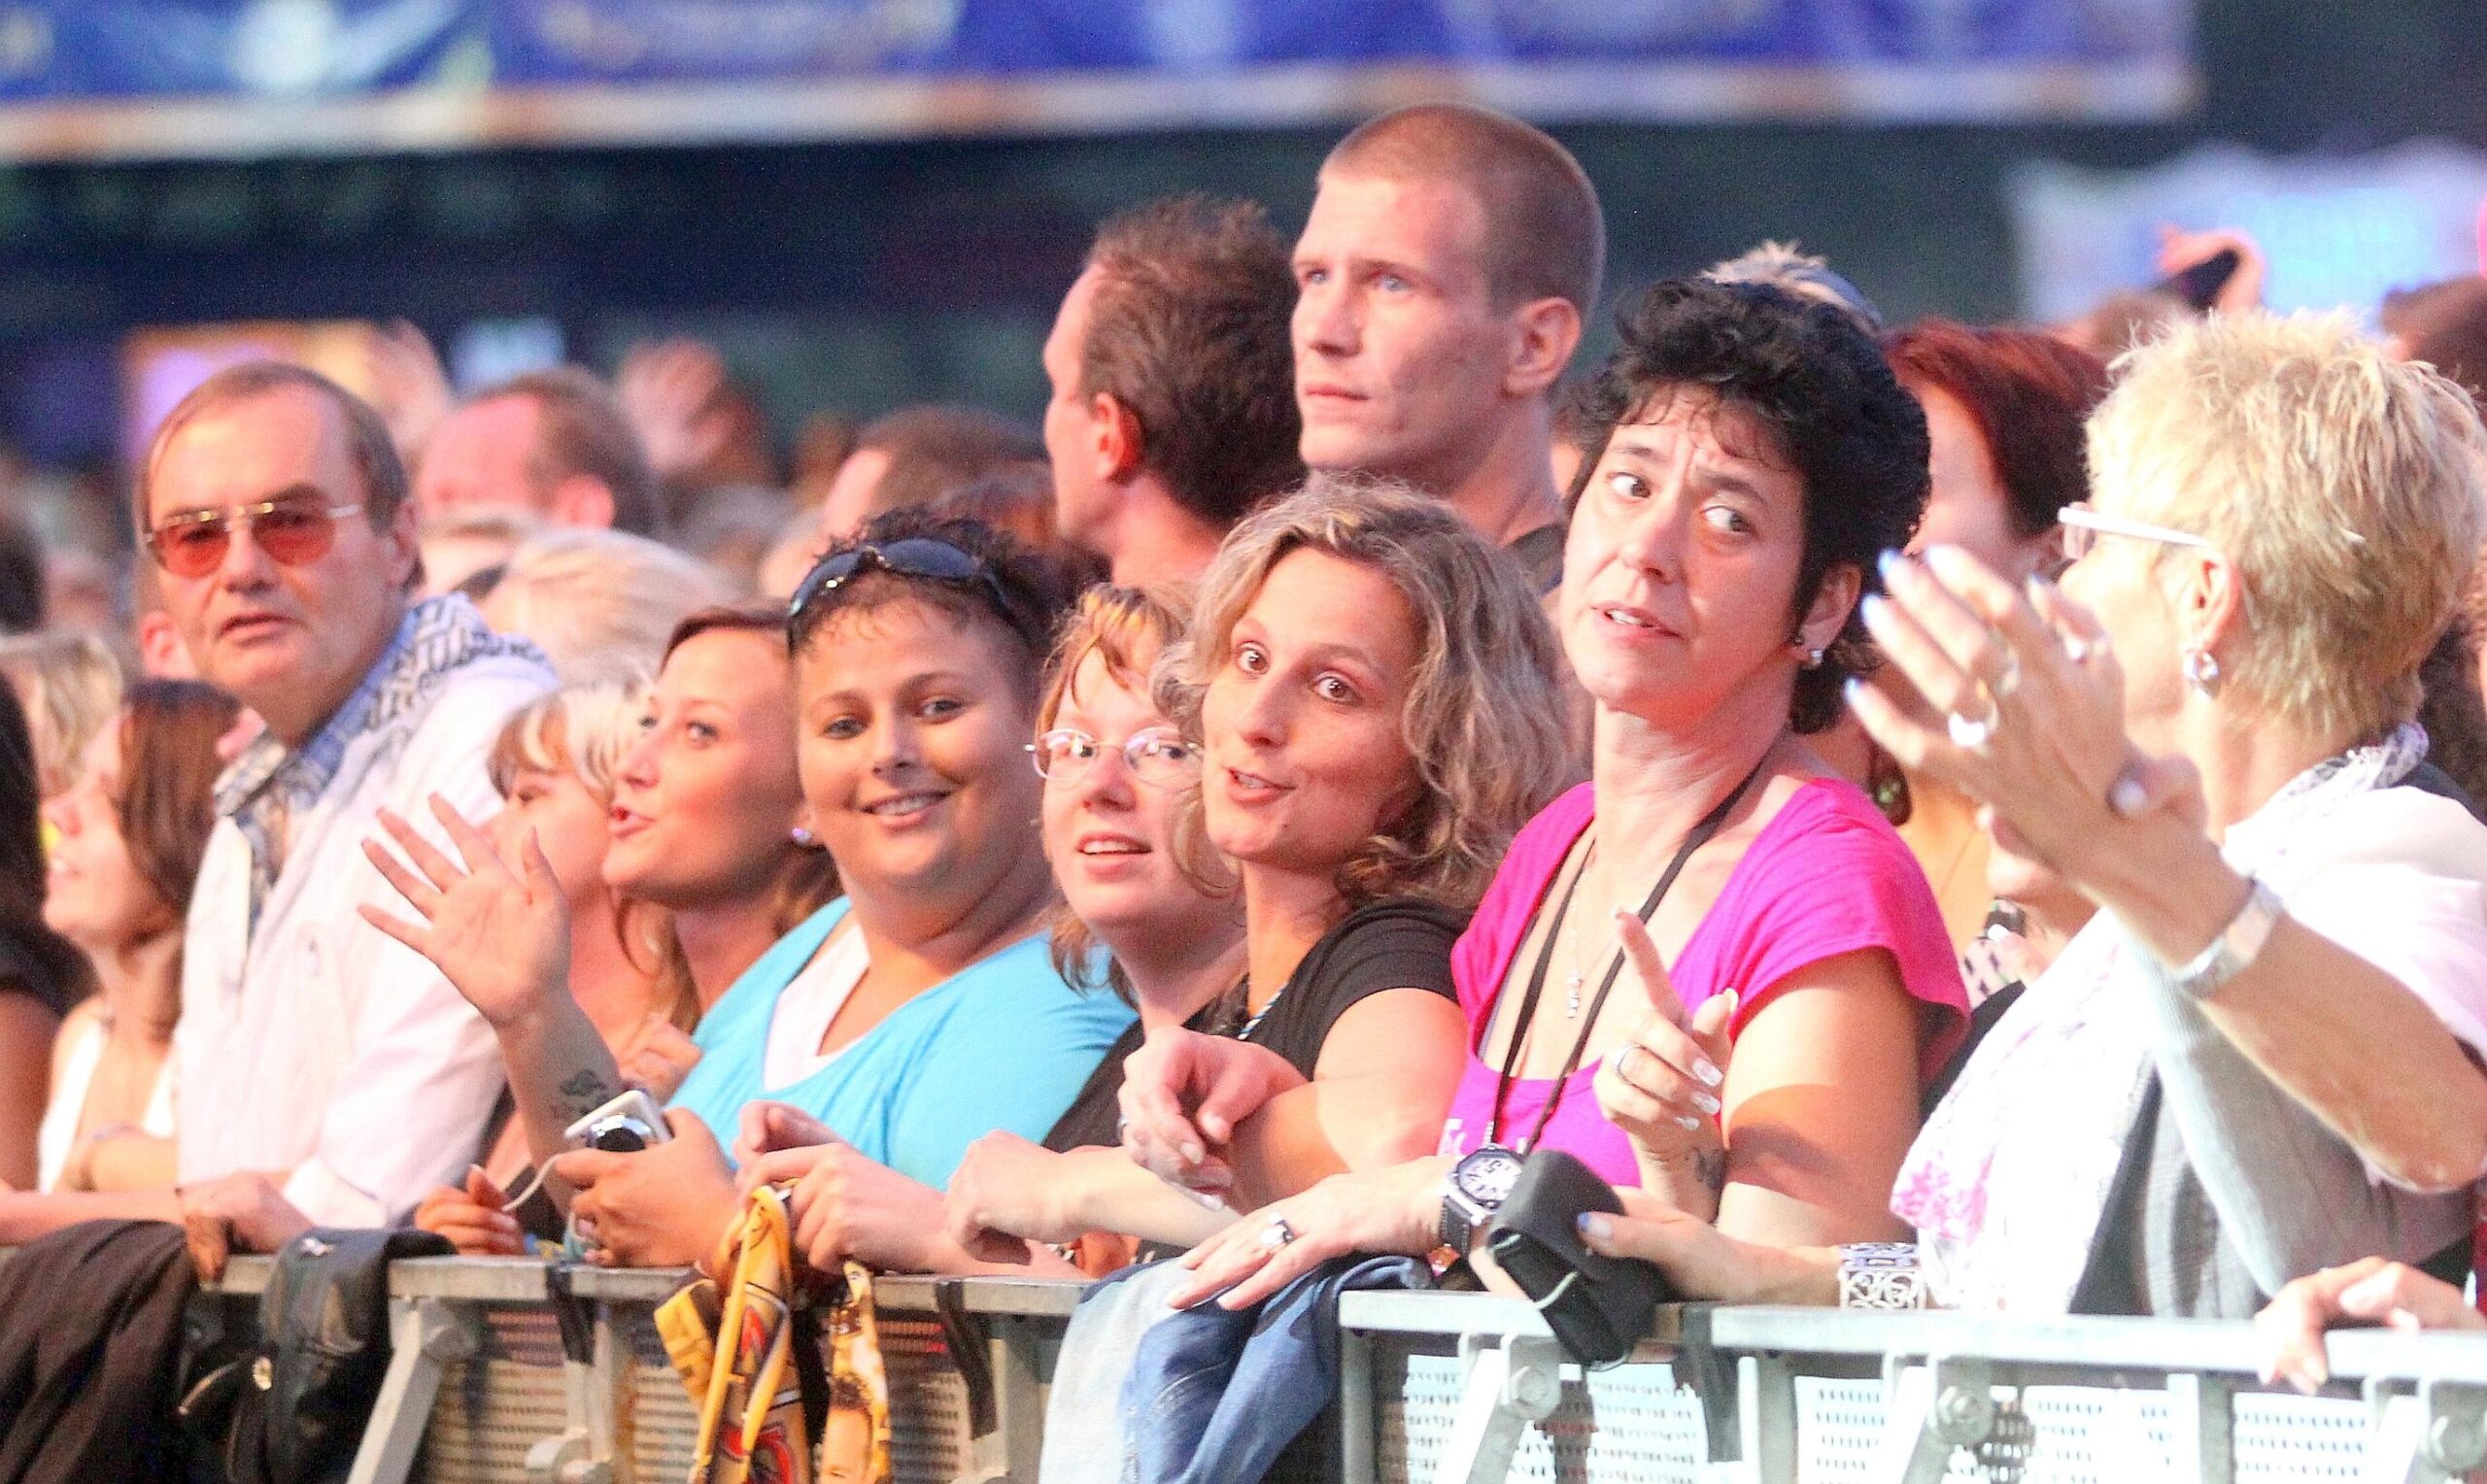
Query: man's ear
x,y
581,499
1115,438
404,539
1545,333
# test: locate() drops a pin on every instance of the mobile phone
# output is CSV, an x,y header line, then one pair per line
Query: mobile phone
x,y
627,1124
2200,284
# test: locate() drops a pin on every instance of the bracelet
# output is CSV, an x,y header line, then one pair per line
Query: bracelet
x,y
2236,947
1880,1276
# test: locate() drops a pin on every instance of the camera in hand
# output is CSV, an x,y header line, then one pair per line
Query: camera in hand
x,y
627,1124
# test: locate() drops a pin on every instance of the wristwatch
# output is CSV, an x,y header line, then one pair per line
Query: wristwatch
x,y
2237,946
1471,1193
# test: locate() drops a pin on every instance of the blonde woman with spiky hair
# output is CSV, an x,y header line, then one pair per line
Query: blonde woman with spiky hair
x,y
555,765
2256,1061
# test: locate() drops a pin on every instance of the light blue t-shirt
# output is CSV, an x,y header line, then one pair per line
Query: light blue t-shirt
x,y
1003,1043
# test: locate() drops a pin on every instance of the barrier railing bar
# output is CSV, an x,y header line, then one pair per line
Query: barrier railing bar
x,y
425,1335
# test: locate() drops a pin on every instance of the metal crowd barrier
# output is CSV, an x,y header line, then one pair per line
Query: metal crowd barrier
x,y
506,1370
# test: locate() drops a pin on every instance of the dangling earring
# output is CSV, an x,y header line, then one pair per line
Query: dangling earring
x,y
2201,672
1814,657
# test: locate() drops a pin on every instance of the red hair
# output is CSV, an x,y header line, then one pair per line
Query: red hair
x,y
2027,392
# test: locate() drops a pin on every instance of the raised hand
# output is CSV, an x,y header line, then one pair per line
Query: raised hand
x,y
670,391
1662,1085
500,936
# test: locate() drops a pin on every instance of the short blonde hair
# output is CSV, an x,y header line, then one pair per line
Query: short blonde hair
x,y
586,728
2345,487
602,603
1485,711
583,728
1126,630
69,684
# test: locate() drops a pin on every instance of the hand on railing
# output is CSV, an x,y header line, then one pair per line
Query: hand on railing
x,y
2370,1291
1703,1262
842,1204
1395,1208
500,936
667,1205
1662,1086
242,1212
474,1217
1005,1195
1183,1093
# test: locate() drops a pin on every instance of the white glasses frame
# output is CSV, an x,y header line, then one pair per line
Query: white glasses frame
x,y
2081,518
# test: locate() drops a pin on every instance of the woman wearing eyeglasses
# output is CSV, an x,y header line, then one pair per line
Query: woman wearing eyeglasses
x,y
1133,882
2259,1059
902,1021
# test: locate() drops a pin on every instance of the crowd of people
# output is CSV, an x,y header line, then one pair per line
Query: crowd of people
x,y
1924,796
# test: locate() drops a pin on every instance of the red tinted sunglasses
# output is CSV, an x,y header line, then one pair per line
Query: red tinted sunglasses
x,y
290,531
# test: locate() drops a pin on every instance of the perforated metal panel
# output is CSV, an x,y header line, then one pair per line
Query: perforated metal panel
x,y
662,1424
1631,1423
2311,1438
497,1405
929,1423
2089,1434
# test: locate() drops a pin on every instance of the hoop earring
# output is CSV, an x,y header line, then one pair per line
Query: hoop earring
x,y
2201,672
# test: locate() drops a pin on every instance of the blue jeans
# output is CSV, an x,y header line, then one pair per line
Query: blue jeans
x,y
1214,1397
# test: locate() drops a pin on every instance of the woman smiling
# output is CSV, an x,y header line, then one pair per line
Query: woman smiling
x,y
893,1026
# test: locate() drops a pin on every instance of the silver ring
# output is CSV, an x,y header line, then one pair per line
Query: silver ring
x,y
1277,1233
1969,734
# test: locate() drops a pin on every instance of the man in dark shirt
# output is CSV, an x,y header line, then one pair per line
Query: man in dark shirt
x,y
1450,259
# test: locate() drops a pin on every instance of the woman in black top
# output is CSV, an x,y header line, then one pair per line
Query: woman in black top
x,y
1146,909
1377,695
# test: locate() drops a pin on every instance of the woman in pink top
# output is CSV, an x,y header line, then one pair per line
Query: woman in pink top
x,y
1715,883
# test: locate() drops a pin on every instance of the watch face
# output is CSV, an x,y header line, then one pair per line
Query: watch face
x,y
1487,1176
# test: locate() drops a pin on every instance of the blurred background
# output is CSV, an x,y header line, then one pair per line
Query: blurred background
x,y
866,203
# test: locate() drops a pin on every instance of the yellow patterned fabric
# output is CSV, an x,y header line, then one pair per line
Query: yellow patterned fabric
x,y
753,1428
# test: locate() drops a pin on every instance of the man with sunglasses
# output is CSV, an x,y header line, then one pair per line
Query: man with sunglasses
x,y
311,1049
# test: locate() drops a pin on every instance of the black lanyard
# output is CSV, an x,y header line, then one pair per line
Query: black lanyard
x,y
1699,836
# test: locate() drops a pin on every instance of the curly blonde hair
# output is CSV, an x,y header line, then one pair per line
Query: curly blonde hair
x,y
1484,721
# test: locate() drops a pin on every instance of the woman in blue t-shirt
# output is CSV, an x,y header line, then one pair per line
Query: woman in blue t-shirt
x,y
906,1020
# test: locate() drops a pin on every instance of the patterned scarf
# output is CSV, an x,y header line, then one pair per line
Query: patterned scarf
x,y
2008,1179
754,1426
267,787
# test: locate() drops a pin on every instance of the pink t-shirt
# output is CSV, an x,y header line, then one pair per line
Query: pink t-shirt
x,y
1826,876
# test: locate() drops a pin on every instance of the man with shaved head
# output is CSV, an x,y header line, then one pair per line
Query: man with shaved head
x,y
1442,278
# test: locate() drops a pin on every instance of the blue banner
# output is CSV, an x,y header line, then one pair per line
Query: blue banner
x,y
824,68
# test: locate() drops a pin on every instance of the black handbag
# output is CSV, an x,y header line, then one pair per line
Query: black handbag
x,y
288,1404
1597,1306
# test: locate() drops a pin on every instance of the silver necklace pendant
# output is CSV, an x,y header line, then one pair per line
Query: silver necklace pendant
x,y
1572,994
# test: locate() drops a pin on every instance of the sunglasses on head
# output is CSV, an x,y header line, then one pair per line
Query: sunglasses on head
x,y
919,557
291,531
